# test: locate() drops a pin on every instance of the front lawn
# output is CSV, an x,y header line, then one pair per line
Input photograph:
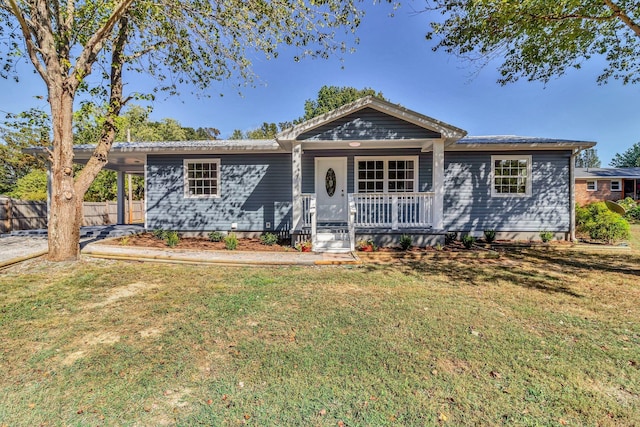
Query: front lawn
x,y
547,338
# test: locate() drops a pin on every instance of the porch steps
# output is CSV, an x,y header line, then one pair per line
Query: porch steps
x,y
332,238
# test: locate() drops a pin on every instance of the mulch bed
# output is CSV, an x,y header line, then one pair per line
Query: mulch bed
x,y
147,240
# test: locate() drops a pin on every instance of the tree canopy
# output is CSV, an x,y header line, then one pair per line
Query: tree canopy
x,y
538,40
588,159
630,158
89,46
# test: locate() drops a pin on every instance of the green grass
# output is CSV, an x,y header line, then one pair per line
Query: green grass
x,y
547,338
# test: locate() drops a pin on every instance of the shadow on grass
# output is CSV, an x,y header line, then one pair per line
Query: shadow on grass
x,y
546,271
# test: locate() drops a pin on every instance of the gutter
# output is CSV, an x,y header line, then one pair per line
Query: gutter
x,y
572,193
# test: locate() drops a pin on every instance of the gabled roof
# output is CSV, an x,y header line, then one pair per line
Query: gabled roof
x,y
607,173
447,132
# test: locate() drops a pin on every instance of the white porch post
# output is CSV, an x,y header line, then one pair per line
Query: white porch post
x,y
121,198
438,185
296,190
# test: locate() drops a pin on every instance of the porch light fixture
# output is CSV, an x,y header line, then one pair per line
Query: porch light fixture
x,y
354,144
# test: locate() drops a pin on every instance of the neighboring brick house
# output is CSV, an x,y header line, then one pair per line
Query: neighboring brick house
x,y
598,184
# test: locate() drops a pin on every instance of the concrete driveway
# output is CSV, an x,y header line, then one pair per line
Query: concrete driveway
x,y
17,248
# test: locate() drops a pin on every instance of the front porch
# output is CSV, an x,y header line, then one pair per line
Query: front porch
x,y
369,216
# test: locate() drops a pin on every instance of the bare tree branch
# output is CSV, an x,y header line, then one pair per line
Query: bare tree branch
x,y
94,45
624,17
27,34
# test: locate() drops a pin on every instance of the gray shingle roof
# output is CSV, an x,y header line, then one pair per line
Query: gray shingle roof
x,y
514,139
608,173
218,144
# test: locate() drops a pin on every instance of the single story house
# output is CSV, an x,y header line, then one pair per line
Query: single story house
x,y
370,169
600,184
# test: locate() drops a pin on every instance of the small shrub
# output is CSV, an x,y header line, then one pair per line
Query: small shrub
x,y
546,236
633,214
231,241
468,240
627,203
438,246
405,242
490,235
160,234
124,241
450,237
269,239
216,236
172,238
600,223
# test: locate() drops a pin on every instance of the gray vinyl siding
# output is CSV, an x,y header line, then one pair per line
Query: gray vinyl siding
x,y
425,165
367,124
469,206
254,190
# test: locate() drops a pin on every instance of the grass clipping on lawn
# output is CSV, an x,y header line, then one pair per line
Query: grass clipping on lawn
x,y
541,339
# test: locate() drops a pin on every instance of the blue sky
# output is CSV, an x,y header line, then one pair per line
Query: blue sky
x,y
393,57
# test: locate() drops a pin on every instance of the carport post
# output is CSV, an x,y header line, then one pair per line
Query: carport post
x,y
121,199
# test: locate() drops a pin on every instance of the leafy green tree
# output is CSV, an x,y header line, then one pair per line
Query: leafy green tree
x,y
331,97
178,43
32,186
18,131
588,159
538,40
628,159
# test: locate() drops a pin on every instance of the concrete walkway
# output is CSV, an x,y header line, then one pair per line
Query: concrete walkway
x,y
257,258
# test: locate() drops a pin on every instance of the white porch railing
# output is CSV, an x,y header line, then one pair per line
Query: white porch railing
x,y
379,210
393,210
307,200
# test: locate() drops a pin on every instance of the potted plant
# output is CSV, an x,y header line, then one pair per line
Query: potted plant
x,y
304,246
365,245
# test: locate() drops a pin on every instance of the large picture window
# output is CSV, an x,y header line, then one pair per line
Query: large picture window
x,y
511,176
202,178
389,175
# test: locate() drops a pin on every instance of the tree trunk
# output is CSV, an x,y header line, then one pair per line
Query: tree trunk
x,y
66,205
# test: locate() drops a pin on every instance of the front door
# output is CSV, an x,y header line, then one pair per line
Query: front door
x,y
331,189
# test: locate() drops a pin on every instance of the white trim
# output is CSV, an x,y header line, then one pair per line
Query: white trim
x,y
527,189
595,184
385,159
438,185
296,187
185,162
619,182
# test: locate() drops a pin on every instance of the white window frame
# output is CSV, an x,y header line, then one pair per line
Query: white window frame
x,y
185,169
527,188
386,160
595,185
618,182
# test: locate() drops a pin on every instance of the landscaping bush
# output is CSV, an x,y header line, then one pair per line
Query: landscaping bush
x,y
627,203
216,236
468,240
597,221
490,235
160,234
405,242
172,238
633,214
450,237
546,236
231,241
269,239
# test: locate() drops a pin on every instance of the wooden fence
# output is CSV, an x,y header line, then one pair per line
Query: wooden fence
x,y
27,215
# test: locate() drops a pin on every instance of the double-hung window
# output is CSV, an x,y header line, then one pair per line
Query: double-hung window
x,y
386,175
202,178
616,185
592,185
511,176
